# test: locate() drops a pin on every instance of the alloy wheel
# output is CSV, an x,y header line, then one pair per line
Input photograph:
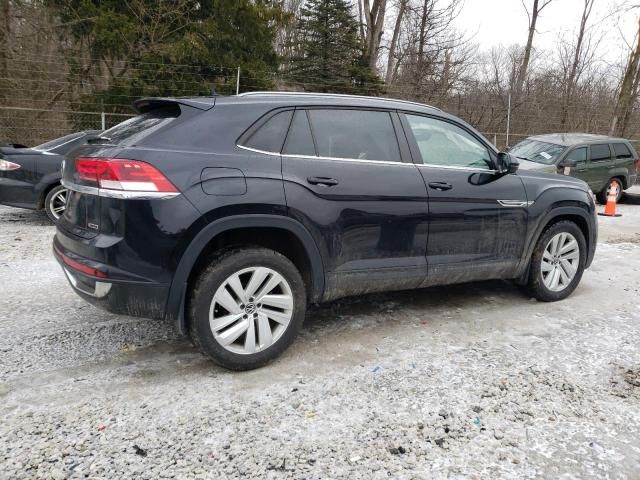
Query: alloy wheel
x,y
251,310
58,203
560,261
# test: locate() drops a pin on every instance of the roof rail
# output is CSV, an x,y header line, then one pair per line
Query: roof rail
x,y
339,95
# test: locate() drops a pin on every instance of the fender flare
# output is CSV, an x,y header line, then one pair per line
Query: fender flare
x,y
178,289
545,220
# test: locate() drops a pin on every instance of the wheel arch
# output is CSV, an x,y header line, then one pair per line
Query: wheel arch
x,y
241,230
577,215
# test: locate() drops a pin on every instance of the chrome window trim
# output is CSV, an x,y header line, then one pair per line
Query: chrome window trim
x,y
120,194
335,159
451,167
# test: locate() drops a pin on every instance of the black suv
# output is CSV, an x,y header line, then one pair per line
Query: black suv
x,y
229,215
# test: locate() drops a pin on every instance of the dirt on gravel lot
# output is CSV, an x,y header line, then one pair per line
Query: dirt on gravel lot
x,y
473,381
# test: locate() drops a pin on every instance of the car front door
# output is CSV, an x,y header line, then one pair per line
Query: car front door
x,y
579,155
353,185
478,218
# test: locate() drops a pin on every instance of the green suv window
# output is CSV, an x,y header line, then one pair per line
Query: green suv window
x,y
600,153
621,150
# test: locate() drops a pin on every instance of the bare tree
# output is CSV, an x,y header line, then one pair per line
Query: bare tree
x,y
373,12
391,59
628,93
581,53
538,6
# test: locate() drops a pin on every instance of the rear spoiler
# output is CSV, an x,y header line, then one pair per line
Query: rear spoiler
x,y
144,105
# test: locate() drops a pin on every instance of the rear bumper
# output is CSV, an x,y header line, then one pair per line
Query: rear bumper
x,y
116,295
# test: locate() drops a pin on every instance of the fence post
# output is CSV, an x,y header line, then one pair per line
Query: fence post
x,y
508,118
238,82
103,119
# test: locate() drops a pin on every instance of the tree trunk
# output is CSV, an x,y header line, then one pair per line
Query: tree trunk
x,y
573,71
394,41
524,67
5,34
374,14
628,90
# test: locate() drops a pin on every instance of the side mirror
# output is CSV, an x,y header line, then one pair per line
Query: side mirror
x,y
567,163
506,163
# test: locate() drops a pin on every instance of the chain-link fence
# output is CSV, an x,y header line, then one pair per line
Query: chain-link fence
x,y
32,126
44,98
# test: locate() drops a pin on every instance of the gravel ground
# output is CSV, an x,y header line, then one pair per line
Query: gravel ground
x,y
473,381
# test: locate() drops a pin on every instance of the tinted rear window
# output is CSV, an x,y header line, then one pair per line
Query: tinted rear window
x,y
600,153
133,130
299,140
269,137
355,134
621,150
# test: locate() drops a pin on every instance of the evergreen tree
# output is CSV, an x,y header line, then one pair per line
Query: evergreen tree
x,y
151,48
330,55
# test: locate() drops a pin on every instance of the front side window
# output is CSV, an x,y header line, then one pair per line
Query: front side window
x,y
269,136
600,153
537,151
354,134
621,150
446,144
578,154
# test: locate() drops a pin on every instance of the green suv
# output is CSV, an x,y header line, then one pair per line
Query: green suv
x,y
597,159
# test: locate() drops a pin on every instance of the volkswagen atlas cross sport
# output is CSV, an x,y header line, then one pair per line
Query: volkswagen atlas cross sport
x,y
229,215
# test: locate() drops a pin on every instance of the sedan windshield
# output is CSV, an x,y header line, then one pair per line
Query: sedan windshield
x,y
537,151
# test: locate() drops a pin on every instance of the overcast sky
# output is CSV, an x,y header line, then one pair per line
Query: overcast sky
x,y
505,22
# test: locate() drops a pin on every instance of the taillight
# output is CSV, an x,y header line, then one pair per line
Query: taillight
x,y
120,174
6,166
637,165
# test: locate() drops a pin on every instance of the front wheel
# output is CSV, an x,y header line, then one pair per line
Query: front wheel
x,y
246,307
56,202
557,262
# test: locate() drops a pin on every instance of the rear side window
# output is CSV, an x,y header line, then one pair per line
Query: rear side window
x,y
269,137
621,150
354,134
299,139
579,155
600,153
132,131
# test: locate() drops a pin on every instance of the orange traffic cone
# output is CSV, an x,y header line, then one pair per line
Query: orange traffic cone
x,y
610,207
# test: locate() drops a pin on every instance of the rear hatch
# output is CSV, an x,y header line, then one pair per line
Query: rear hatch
x,y
107,171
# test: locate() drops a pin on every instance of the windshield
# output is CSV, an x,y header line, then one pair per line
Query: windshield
x,y
537,151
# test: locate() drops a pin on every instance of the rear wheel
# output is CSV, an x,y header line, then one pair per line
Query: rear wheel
x,y
557,262
55,202
602,196
247,307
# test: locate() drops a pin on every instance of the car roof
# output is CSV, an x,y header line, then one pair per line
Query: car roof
x,y
277,99
570,139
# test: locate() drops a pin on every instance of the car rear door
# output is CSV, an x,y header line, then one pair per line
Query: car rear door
x,y
352,184
600,164
478,218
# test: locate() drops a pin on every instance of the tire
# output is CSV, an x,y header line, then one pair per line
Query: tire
x,y
227,278
55,202
602,195
539,284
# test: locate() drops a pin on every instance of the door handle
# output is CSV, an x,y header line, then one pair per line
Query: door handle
x,y
442,186
326,181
